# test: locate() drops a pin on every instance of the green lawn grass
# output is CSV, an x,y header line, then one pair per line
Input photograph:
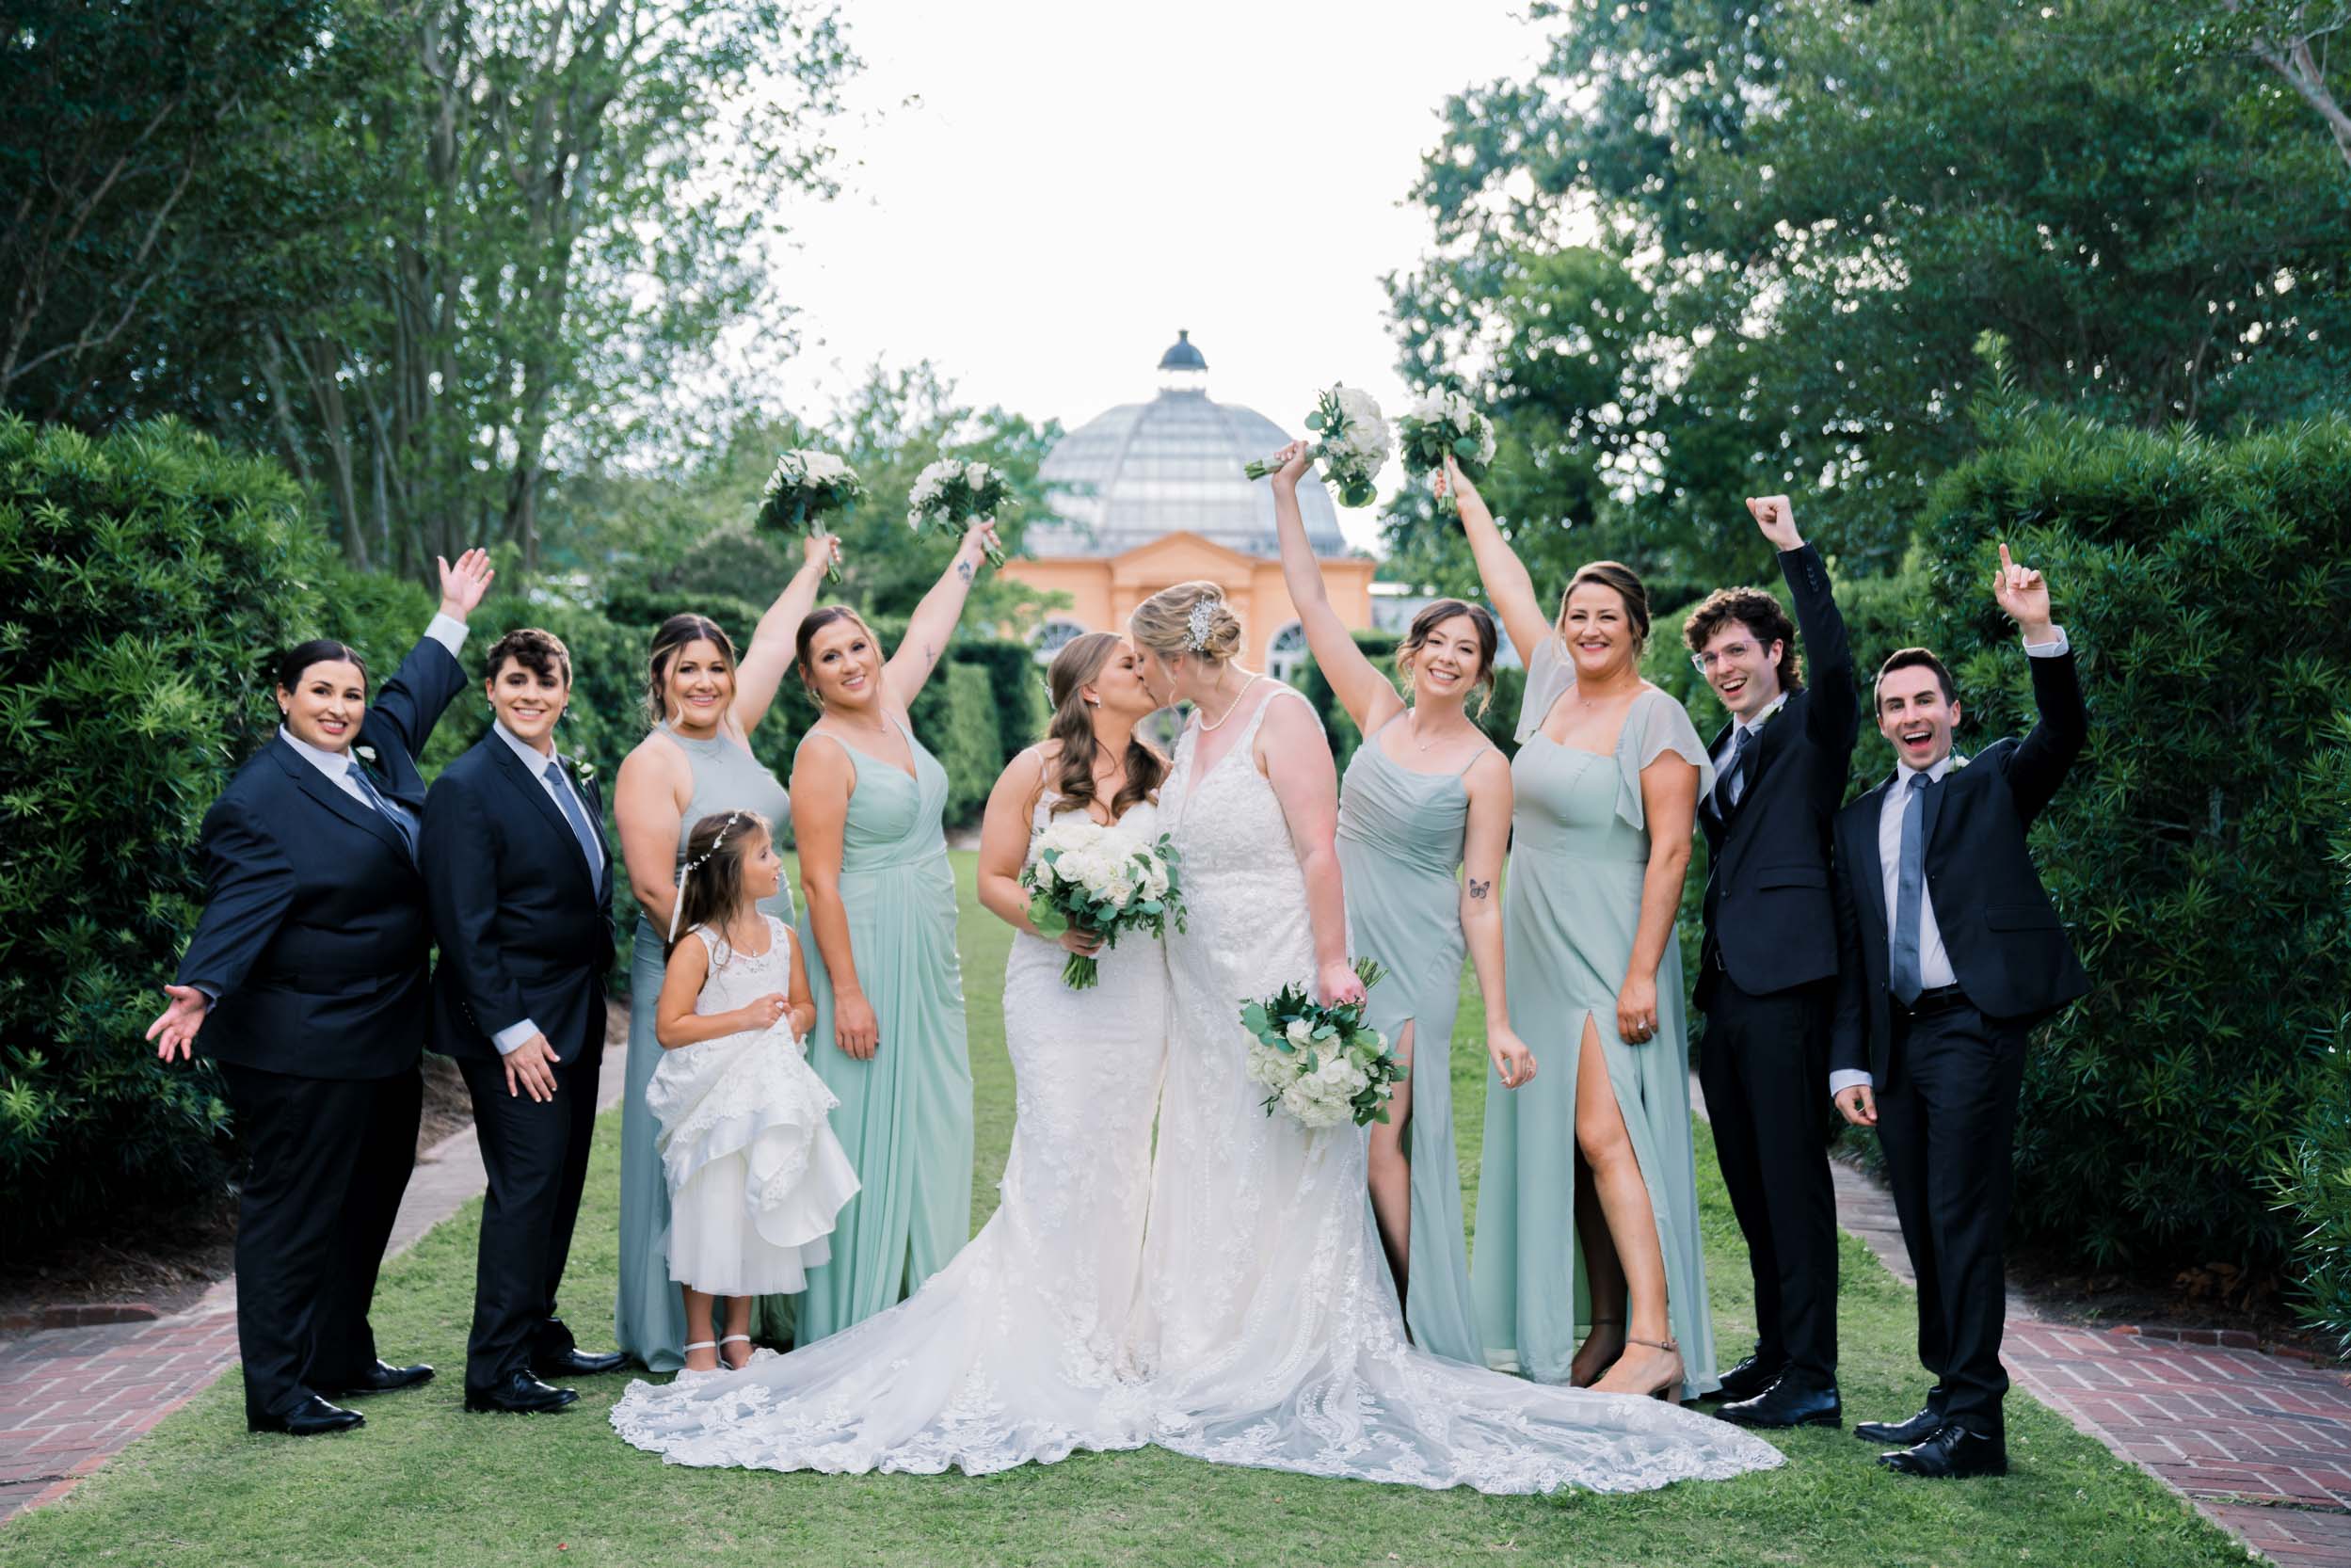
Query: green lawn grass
x,y
426,1483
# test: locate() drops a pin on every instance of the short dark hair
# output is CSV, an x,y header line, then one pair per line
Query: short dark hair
x,y
1914,658
286,668
540,652
1765,621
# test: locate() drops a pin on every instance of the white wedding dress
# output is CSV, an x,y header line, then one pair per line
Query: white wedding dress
x,y
1012,1352
1269,1326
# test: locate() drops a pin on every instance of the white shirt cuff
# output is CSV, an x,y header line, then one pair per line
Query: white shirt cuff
x,y
2051,649
514,1036
449,632
1844,1078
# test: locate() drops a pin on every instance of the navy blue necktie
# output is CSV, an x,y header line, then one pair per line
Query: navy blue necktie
x,y
577,817
389,812
1732,784
1909,893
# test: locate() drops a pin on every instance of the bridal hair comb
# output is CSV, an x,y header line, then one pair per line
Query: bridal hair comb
x,y
692,866
1201,622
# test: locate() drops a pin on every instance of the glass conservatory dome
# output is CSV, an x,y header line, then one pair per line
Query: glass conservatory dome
x,y
1147,469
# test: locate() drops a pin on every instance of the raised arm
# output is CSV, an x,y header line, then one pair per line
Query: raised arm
x,y
933,619
1833,715
1296,760
2045,756
821,778
1488,842
1369,697
1669,802
406,707
645,805
1508,586
769,657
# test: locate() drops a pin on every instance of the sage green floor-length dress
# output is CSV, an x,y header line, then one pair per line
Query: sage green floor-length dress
x,y
1400,849
1579,850
905,1117
648,1312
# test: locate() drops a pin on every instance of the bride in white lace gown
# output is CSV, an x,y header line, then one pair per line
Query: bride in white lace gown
x,y
1269,1327
1013,1352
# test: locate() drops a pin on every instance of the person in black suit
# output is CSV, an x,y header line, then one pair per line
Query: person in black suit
x,y
521,885
306,980
1766,974
1952,953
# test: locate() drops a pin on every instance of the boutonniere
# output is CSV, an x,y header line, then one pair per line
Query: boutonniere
x,y
1957,761
582,772
365,754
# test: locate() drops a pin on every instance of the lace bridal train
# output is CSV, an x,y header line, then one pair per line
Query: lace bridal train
x,y
1012,1352
1267,1324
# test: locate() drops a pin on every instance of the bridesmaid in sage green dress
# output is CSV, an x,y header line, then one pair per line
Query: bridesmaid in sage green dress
x,y
1425,795
702,705
1598,1231
878,931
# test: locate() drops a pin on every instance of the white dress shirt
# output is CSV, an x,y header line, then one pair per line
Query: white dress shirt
x,y
1934,962
1729,747
515,1035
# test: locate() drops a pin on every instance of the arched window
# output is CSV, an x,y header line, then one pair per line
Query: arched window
x,y
1054,636
1286,655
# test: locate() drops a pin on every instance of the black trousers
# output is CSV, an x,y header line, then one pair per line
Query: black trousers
x,y
536,1153
1946,1118
327,1160
1763,1064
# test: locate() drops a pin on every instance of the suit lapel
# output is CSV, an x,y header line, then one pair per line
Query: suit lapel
x,y
1871,856
1930,810
316,785
1769,744
535,791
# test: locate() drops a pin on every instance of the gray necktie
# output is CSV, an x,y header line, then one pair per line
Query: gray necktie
x,y
1733,784
578,819
393,814
1909,890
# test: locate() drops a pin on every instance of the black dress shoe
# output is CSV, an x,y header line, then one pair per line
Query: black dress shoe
x,y
520,1394
307,1420
380,1379
1792,1401
1750,1378
1901,1434
573,1362
1951,1453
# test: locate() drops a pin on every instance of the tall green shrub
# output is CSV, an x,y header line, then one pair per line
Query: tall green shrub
x,y
145,576
1379,648
2205,585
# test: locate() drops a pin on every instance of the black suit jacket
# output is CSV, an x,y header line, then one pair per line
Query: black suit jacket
x,y
1767,906
2007,948
314,938
525,931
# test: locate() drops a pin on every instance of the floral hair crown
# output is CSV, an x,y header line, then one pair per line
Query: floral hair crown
x,y
1201,622
696,864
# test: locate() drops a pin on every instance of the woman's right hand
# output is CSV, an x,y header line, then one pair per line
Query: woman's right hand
x,y
762,1012
1085,944
855,1030
1510,1057
1453,482
1291,465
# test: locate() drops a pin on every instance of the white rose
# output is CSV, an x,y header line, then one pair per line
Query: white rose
x,y
1301,1032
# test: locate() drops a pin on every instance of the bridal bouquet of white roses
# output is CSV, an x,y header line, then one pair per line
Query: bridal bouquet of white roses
x,y
1083,877
806,486
951,494
1352,443
1441,425
1323,1065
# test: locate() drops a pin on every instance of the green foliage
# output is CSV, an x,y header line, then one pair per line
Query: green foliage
x,y
2312,1177
2193,853
1015,691
1379,648
960,727
147,575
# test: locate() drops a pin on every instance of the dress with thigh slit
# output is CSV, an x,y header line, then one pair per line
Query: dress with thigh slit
x,y
1400,852
1579,850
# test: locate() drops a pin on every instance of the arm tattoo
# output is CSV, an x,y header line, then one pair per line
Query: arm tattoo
x,y
962,569
930,653
1480,890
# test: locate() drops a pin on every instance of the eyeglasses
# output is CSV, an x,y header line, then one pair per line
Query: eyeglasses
x,y
1730,652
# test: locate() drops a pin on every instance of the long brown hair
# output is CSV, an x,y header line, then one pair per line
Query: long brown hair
x,y
1628,587
710,888
673,634
1079,662
1424,624
810,624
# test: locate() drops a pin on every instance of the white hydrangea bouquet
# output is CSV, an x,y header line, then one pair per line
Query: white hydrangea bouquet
x,y
1352,443
804,490
951,494
1446,424
1083,877
1323,1065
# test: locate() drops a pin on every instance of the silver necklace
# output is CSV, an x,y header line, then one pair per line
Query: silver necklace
x,y
1206,726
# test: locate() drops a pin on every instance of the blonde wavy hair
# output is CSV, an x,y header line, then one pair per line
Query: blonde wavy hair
x,y
1190,619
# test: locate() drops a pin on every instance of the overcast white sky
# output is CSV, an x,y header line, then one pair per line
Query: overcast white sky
x,y
1038,193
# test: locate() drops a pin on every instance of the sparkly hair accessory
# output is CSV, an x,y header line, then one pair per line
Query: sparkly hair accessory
x,y
1201,622
692,866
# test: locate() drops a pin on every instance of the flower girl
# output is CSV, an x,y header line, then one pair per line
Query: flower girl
x,y
756,1176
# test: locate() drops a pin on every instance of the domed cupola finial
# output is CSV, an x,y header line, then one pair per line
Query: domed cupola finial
x,y
1183,368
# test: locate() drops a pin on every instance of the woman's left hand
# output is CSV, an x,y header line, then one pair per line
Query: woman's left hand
x,y
1637,1011
463,585
1511,1057
179,1022
821,550
1339,984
